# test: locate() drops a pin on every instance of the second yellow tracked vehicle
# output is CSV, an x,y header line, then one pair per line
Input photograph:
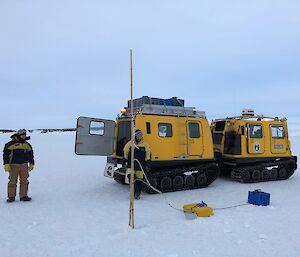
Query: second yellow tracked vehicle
x,y
180,139
253,148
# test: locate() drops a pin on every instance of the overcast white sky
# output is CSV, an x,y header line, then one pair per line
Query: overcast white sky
x,y
67,58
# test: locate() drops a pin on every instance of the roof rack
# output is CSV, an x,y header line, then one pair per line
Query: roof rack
x,y
166,110
248,114
258,117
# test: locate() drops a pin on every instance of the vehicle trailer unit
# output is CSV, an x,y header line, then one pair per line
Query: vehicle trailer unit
x,y
253,148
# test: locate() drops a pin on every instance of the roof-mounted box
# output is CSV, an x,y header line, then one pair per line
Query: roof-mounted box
x,y
138,102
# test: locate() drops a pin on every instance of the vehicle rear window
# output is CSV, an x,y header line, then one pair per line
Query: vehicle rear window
x,y
97,128
220,125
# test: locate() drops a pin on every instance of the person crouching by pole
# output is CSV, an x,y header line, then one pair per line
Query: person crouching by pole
x,y
17,155
142,154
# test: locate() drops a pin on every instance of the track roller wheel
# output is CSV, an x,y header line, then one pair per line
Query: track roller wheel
x,y
166,184
119,178
265,174
245,175
189,181
282,173
256,175
232,174
177,183
273,174
201,180
149,190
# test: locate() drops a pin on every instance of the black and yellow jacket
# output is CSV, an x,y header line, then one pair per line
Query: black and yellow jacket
x,y
17,151
142,153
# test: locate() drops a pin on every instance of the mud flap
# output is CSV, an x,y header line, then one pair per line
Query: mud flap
x,y
109,170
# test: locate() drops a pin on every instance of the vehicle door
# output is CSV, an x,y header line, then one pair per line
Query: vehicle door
x,y
194,138
256,144
94,136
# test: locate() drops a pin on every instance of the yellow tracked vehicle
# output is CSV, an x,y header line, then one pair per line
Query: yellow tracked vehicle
x,y
180,139
253,148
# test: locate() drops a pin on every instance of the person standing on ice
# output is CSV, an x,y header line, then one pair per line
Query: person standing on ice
x,y
142,154
18,160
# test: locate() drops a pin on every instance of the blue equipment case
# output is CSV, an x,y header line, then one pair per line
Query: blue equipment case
x,y
257,197
174,101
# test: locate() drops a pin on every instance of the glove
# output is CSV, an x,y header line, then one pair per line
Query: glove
x,y
148,165
31,167
7,168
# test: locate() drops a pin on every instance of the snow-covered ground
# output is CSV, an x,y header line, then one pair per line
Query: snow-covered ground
x,y
77,212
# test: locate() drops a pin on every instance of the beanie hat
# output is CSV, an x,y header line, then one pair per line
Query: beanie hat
x,y
21,132
138,132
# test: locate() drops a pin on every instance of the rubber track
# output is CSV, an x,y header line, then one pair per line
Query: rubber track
x,y
211,170
238,174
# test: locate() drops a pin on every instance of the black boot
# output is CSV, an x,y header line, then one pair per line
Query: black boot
x,y
25,198
137,196
10,199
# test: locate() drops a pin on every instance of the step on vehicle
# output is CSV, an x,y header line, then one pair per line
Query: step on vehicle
x,y
182,155
253,148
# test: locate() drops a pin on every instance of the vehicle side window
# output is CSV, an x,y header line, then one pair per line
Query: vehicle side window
x,y
194,130
255,131
242,130
97,128
220,125
164,130
277,131
148,128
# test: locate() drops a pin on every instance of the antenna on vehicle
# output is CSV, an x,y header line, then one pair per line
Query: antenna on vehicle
x,y
131,205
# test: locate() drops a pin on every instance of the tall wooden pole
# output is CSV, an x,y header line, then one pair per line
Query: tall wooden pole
x,y
131,205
